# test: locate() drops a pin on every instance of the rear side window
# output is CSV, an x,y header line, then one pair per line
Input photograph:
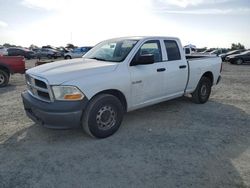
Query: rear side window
x,y
172,49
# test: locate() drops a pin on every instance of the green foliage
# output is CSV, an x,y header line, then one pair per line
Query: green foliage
x,y
238,46
71,46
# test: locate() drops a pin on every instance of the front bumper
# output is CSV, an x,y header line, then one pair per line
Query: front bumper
x,y
57,115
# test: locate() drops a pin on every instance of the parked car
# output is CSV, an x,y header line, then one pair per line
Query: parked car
x,y
62,50
239,59
116,76
10,65
225,55
218,51
48,53
3,51
28,54
76,53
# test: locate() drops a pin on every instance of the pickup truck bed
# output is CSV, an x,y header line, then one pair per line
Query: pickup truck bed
x,y
10,65
198,66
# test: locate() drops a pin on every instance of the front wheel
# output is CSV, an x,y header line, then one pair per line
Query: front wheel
x,y
4,78
202,91
103,116
67,57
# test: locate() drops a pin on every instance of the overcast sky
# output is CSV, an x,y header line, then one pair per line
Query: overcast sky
x,y
210,23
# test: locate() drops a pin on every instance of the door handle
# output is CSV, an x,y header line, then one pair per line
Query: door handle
x,y
182,66
161,70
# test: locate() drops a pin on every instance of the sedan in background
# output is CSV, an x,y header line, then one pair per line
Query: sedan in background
x,y
77,52
28,54
48,53
225,55
240,58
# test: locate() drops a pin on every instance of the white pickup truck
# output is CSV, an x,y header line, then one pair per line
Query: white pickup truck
x,y
114,77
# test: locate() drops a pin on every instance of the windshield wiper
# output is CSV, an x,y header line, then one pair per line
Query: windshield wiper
x,y
97,58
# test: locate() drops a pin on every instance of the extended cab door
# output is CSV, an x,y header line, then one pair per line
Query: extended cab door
x,y
147,80
176,74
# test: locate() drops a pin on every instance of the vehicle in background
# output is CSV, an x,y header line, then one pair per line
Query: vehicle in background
x,y
48,53
190,49
10,65
3,51
77,52
225,55
28,54
239,59
116,76
62,50
218,51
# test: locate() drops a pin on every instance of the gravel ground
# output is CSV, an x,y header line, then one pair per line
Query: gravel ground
x,y
172,144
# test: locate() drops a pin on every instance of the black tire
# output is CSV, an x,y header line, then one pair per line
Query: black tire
x,y
239,61
67,57
202,91
103,116
4,78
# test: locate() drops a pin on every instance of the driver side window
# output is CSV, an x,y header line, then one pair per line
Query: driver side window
x,y
151,47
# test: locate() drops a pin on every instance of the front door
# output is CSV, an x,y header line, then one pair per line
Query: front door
x,y
147,80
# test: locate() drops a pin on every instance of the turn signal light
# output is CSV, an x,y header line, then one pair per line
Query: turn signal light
x,y
72,96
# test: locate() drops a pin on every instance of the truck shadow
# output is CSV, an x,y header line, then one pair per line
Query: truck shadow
x,y
8,88
172,144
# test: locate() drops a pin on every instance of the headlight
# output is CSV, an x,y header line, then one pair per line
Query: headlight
x,y
70,93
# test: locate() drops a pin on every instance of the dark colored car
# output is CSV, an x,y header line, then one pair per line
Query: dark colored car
x,y
28,54
240,58
225,55
48,53
10,65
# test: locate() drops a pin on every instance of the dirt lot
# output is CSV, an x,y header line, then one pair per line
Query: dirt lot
x,y
172,144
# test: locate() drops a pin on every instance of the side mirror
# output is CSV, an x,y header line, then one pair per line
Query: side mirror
x,y
145,59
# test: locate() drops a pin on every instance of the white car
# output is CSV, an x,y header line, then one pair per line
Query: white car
x,y
116,76
3,51
77,53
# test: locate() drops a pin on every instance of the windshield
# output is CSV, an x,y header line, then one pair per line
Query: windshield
x,y
231,52
114,51
246,52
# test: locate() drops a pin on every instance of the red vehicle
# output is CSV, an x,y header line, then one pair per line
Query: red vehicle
x,y
10,65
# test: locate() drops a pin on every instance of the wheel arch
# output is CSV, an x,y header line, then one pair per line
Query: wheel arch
x,y
209,75
117,94
5,68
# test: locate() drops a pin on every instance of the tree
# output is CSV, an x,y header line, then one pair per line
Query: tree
x,y
7,45
32,46
70,46
238,46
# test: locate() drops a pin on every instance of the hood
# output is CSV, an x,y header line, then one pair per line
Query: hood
x,y
233,56
67,70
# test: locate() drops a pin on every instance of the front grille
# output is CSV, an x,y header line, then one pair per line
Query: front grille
x,y
39,88
40,83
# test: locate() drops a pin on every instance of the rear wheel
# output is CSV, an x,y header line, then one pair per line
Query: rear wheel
x,y
4,78
239,61
202,91
103,116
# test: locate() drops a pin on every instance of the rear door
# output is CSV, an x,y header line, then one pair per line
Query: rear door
x,y
176,75
147,80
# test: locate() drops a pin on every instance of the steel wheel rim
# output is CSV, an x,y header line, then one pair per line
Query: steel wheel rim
x,y
203,91
106,118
